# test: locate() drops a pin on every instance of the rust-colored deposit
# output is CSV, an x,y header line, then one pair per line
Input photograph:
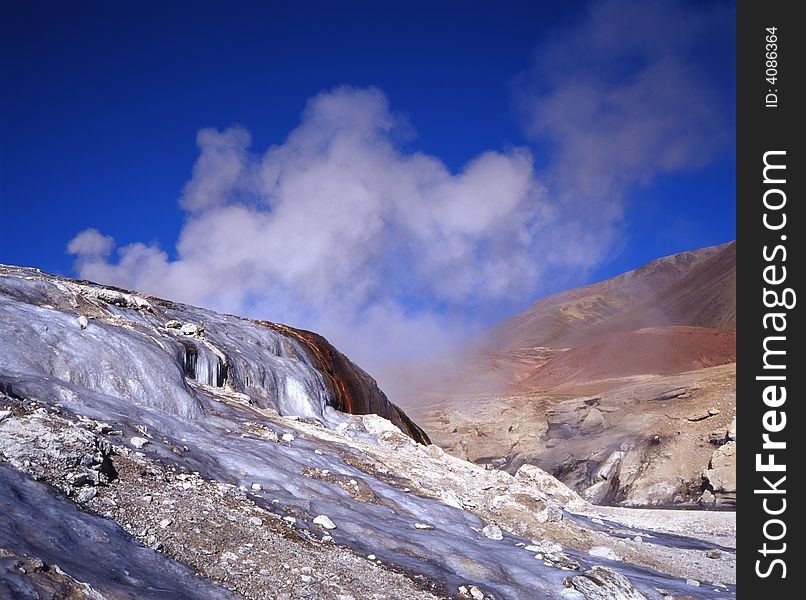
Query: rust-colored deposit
x,y
353,390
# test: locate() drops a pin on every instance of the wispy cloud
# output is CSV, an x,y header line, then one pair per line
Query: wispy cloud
x,y
621,97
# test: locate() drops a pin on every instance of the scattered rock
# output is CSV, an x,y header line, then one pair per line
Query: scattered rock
x,y
165,523
138,442
5,414
256,521
713,554
423,526
545,547
325,522
256,486
707,497
711,412
83,322
435,451
287,437
86,494
669,395
493,532
601,583
732,430
693,582
376,424
593,420
603,552
476,593
721,472
191,329
173,324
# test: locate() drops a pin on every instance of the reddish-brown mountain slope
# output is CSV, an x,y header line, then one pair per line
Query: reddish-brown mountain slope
x,y
690,288
651,351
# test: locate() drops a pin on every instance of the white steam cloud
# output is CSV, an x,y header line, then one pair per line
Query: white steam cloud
x,y
342,230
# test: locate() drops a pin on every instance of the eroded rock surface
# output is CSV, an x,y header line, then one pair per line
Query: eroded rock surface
x,y
632,444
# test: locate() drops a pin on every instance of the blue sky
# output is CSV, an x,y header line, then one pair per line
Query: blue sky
x,y
102,104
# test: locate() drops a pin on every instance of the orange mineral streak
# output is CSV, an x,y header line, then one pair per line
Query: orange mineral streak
x,y
353,390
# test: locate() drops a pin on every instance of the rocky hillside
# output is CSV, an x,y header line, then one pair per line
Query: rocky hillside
x,y
696,288
155,450
624,389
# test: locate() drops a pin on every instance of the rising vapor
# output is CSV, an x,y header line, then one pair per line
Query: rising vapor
x,y
343,230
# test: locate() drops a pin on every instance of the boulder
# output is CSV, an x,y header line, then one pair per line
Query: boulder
x,y
593,421
493,532
325,522
191,329
721,473
138,442
377,424
601,583
603,552
732,430
547,484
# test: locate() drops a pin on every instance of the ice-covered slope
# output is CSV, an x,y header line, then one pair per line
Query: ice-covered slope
x,y
165,356
174,439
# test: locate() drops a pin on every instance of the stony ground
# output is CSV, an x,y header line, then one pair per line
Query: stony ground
x,y
641,441
215,528
235,536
